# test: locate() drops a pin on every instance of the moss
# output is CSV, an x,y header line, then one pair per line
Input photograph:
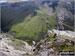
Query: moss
x,y
68,48
29,42
17,42
51,37
63,47
41,42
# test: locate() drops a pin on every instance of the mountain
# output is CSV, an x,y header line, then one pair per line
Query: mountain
x,y
15,13
32,19
34,27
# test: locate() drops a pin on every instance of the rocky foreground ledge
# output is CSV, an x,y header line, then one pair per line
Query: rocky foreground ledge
x,y
50,46
14,48
70,35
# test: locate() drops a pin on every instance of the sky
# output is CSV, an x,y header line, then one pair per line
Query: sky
x,y
1,1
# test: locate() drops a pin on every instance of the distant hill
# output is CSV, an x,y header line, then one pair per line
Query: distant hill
x,y
13,13
32,19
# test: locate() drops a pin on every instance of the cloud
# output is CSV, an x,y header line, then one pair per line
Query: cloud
x,y
1,1
24,0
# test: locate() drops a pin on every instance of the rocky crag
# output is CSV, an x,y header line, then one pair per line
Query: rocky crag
x,y
14,48
50,46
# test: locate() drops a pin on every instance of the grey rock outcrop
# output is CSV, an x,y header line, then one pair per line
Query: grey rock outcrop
x,y
44,47
70,34
52,48
9,50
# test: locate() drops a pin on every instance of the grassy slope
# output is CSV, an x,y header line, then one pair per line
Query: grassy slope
x,y
33,26
15,13
68,26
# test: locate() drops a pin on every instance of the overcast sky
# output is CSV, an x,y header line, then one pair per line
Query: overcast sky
x,y
11,0
3,0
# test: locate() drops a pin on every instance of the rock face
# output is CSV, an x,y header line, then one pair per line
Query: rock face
x,y
60,18
70,34
63,40
9,50
52,48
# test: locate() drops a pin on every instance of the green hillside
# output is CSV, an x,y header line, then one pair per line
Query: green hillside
x,y
31,20
15,13
34,27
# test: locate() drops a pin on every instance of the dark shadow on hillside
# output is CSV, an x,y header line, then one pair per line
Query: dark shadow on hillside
x,y
14,13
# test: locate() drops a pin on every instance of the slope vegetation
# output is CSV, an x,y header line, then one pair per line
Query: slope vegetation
x,y
34,27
